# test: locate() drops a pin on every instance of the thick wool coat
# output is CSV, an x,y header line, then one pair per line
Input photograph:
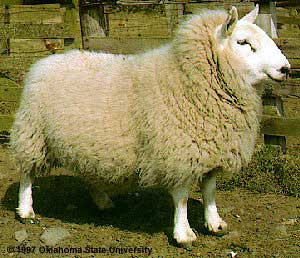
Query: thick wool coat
x,y
159,118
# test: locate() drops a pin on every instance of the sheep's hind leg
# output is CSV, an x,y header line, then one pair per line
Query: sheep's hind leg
x,y
25,210
100,198
182,232
213,222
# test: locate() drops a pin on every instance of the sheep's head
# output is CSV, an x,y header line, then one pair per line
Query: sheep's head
x,y
259,55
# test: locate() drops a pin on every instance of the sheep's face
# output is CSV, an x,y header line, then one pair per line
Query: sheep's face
x,y
253,47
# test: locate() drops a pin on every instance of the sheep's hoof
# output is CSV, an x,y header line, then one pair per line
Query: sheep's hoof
x,y
217,229
27,220
185,238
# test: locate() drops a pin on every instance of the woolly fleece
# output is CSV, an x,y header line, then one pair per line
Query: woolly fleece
x,y
158,118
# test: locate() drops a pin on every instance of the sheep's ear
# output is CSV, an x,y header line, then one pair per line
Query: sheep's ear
x,y
229,25
251,17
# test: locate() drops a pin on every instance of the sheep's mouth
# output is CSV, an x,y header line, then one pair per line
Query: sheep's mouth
x,y
278,78
275,79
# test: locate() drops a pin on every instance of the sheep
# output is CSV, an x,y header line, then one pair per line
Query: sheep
x,y
169,117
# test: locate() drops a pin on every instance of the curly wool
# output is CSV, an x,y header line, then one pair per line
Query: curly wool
x,y
160,118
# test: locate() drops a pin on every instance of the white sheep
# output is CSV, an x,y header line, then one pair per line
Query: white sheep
x,y
168,117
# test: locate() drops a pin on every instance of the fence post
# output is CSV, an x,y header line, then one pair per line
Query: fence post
x,y
267,20
174,13
93,21
267,17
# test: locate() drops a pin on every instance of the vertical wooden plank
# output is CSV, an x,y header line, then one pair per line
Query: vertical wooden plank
x,y
267,18
279,106
93,21
4,46
5,41
4,37
72,29
5,15
274,104
274,16
107,9
268,22
276,140
174,14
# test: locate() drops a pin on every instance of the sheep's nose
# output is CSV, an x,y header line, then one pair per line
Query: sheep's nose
x,y
285,70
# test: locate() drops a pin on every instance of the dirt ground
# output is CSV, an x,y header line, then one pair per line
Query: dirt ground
x,y
260,225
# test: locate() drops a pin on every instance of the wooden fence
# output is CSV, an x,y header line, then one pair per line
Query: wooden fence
x,y
281,120
132,26
27,33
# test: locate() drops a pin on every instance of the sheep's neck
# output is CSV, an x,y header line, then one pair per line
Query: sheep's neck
x,y
208,94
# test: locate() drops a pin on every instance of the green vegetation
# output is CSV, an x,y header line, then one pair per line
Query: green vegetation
x,y
270,171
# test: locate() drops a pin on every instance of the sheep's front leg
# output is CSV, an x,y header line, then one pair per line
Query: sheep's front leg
x,y
212,219
25,210
182,232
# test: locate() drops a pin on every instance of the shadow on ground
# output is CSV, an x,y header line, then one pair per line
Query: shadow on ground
x,y
66,198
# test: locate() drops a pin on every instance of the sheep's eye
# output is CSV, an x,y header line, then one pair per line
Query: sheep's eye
x,y
246,42
242,42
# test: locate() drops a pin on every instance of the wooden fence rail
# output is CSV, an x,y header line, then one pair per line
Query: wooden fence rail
x,y
280,126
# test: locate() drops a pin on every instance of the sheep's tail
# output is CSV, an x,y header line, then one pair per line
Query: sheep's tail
x,y
28,143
